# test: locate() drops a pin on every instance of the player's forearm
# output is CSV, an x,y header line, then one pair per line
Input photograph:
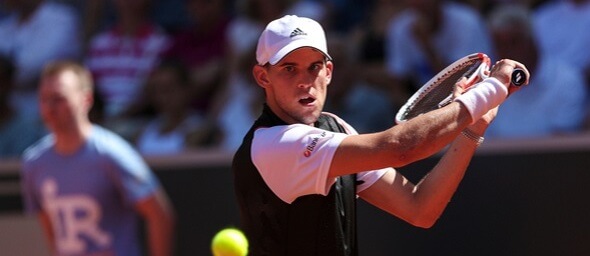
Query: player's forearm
x,y
427,134
403,144
436,189
161,235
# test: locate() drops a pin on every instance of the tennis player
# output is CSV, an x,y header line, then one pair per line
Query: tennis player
x,y
89,187
299,170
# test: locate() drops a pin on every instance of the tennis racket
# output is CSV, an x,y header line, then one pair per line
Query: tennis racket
x,y
438,91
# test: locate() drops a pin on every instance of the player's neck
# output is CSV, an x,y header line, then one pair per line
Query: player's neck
x,y
69,142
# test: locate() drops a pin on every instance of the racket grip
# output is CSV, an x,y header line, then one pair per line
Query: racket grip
x,y
518,77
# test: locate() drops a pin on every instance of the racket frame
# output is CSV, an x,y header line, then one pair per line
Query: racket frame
x,y
479,74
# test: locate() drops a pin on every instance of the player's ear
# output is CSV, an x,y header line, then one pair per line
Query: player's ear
x,y
329,69
89,99
260,74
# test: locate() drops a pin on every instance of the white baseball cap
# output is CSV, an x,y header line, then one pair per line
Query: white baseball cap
x,y
282,36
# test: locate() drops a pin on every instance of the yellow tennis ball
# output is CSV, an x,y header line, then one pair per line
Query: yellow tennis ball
x,y
229,242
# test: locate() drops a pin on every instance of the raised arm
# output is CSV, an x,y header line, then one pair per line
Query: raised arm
x,y
422,204
424,135
402,144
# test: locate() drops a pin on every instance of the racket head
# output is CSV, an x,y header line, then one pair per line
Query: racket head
x,y
438,91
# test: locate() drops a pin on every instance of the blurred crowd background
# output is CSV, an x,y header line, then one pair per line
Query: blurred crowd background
x,y
175,75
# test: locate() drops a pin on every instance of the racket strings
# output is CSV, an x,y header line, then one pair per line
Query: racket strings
x,y
438,93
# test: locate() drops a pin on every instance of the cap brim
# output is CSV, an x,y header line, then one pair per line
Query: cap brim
x,y
293,46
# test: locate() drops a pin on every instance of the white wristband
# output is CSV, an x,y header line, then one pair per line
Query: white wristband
x,y
483,96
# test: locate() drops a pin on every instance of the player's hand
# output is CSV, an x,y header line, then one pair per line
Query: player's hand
x,y
460,87
502,71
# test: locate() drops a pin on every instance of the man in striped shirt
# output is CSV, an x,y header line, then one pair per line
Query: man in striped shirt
x,y
121,57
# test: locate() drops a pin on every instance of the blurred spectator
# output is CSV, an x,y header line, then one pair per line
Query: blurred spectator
x,y
3,11
89,189
431,34
342,16
366,106
121,57
99,15
172,15
176,126
17,131
93,20
243,96
90,14
362,75
554,100
562,29
313,9
203,49
485,7
35,32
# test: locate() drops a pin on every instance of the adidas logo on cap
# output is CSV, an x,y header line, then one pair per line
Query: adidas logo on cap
x,y
297,32
284,35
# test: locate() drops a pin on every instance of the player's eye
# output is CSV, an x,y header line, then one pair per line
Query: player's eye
x,y
50,100
315,66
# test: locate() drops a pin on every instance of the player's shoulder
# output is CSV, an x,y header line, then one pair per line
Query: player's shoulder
x,y
347,127
276,131
105,140
294,132
104,133
111,148
38,149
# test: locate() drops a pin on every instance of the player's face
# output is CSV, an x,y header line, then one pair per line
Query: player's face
x,y
296,87
61,101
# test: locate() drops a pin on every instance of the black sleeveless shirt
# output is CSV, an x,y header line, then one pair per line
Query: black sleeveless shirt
x,y
311,225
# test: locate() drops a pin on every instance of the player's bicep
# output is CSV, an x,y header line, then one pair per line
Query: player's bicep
x,y
357,153
392,193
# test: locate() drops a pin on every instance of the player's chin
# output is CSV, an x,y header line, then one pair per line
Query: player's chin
x,y
309,120
309,117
